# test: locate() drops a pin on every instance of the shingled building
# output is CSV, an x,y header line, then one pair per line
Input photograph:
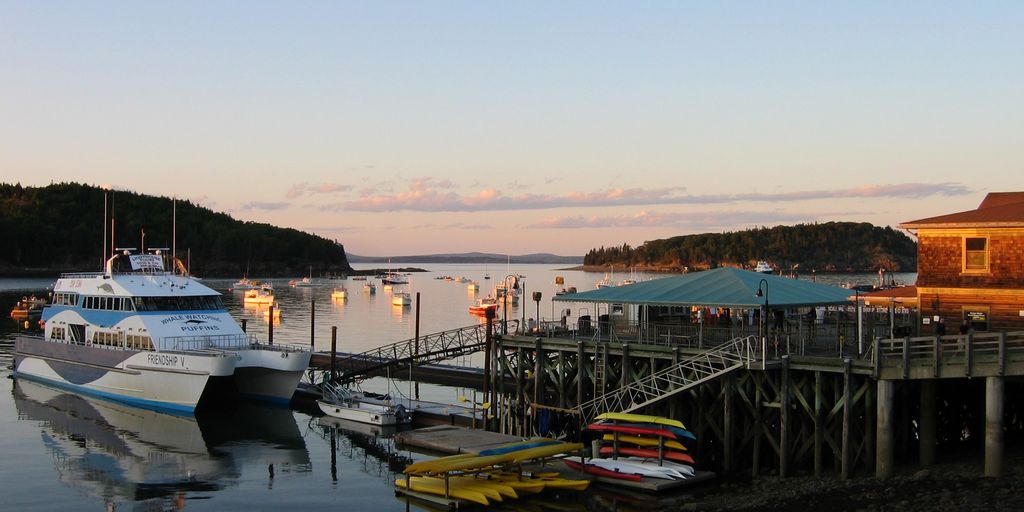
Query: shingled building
x,y
970,266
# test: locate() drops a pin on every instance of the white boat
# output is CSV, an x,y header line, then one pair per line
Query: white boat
x,y
245,284
505,295
343,403
763,267
306,282
401,299
262,296
151,338
637,468
393,278
339,293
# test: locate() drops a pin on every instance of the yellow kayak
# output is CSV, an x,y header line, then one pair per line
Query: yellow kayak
x,y
443,464
430,486
482,484
640,418
486,462
541,452
552,479
644,441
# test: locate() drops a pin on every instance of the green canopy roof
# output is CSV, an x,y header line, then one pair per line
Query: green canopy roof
x,y
723,287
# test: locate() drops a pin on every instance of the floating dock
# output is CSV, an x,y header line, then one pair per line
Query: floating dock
x,y
452,439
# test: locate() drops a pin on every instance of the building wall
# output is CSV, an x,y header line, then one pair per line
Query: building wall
x,y
945,289
940,259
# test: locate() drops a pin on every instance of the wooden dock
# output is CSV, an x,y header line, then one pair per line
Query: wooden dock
x,y
452,439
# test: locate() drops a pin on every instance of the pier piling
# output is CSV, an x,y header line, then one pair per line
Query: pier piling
x,y
994,426
884,435
928,431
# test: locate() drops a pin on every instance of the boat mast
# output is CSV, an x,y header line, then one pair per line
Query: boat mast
x,y
174,232
103,248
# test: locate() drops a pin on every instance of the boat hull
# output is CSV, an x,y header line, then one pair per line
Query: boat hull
x,y
270,375
169,381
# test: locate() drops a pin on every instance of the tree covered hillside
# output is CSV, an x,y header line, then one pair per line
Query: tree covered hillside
x,y
831,246
60,227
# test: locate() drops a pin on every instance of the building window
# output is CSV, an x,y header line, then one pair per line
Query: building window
x,y
975,254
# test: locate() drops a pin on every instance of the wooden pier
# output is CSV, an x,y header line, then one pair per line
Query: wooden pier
x,y
779,408
845,414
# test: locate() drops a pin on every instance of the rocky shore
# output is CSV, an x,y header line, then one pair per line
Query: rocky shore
x,y
950,486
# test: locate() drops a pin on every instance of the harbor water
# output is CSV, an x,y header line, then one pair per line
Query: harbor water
x,y
62,450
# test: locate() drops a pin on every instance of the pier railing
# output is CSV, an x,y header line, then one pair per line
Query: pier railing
x,y
426,349
690,372
956,355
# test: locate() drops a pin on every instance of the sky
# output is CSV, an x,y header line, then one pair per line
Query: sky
x,y
416,127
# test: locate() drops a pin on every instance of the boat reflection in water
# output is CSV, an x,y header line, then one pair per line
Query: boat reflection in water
x,y
117,453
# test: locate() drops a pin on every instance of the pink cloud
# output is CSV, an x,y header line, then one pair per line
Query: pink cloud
x,y
425,196
703,220
301,189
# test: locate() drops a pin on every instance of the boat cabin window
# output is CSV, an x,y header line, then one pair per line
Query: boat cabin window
x,y
107,303
57,333
65,299
184,303
112,339
138,342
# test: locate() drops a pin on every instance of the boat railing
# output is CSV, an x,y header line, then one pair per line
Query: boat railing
x,y
226,342
212,341
81,275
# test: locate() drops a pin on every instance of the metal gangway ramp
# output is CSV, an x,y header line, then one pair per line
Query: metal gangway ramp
x,y
427,349
689,372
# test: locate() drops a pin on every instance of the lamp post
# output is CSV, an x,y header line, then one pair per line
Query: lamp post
x,y
515,284
764,312
536,298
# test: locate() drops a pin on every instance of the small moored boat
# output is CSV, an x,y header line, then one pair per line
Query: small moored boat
x,y
401,299
262,296
341,402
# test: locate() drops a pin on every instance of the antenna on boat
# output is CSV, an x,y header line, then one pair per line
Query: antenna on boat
x,y
174,231
103,248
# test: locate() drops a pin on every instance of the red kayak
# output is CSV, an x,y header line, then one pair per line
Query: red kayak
x,y
596,471
651,431
648,453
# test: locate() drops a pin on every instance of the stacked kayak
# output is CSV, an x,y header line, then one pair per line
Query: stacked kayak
x,y
489,476
637,448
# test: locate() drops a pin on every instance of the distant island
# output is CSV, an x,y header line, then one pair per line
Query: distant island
x,y
59,228
824,247
471,257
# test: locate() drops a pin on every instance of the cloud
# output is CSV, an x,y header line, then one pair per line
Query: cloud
x,y
428,196
702,220
301,189
263,205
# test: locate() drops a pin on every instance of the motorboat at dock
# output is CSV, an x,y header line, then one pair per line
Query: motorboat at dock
x,y
364,407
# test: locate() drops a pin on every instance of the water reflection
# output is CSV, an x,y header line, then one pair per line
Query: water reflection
x,y
116,453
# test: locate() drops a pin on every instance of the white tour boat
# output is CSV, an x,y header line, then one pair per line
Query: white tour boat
x,y
151,338
763,267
